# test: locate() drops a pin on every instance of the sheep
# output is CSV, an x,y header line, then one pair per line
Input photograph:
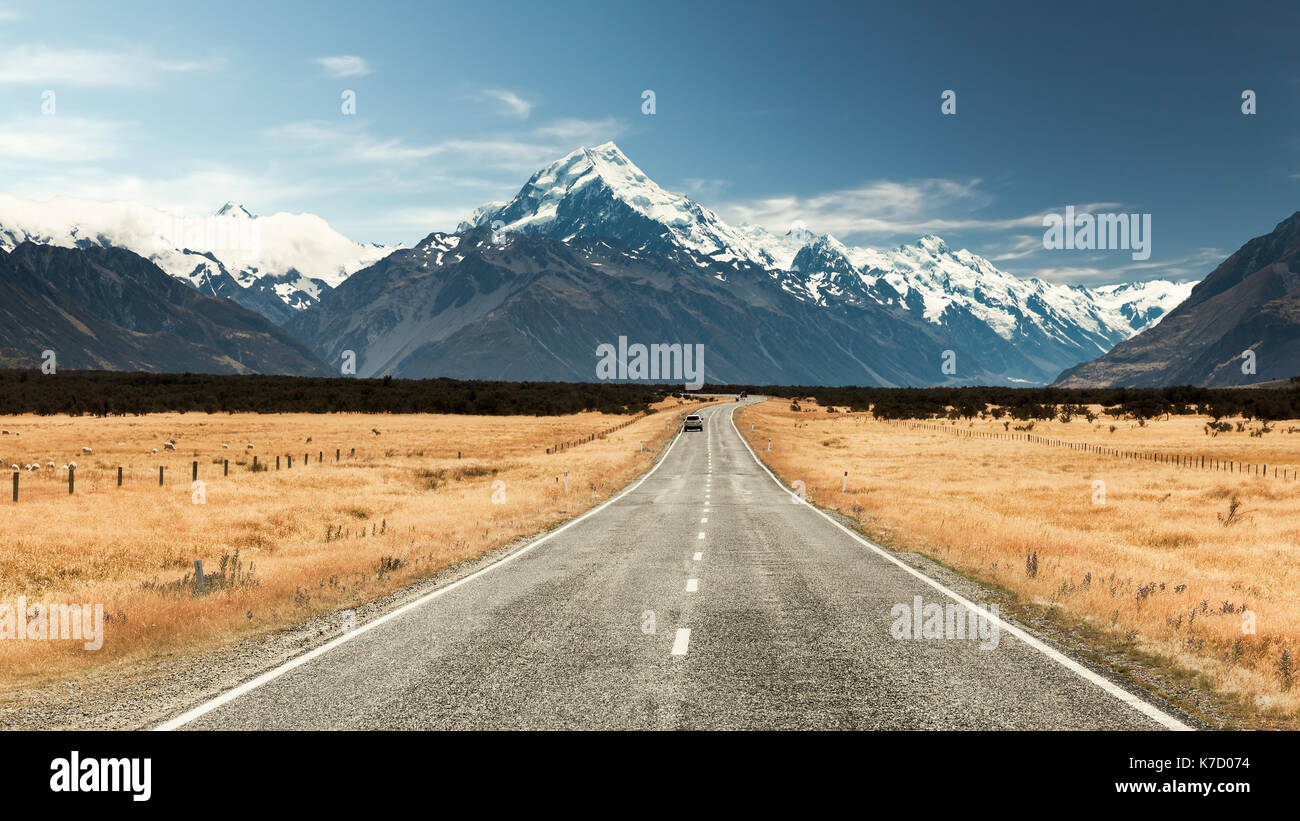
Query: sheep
x,y
87,450
72,465
309,440
50,465
169,445
155,450
224,446
250,446
4,433
13,467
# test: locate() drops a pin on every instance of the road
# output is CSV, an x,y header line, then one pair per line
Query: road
x,y
704,597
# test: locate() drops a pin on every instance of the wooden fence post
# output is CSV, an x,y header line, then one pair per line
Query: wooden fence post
x,y
225,467
119,475
72,480
198,576
160,476
194,471
15,485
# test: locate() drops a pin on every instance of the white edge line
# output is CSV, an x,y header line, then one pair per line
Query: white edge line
x,y
681,641
298,661
1142,706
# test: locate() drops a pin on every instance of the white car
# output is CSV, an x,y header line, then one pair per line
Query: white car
x,y
694,422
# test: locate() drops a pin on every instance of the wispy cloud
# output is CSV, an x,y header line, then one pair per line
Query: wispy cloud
x,y
9,15
89,68
704,188
512,153
573,132
429,219
344,65
60,138
881,208
513,104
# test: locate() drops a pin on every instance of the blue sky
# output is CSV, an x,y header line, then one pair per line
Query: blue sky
x,y
824,113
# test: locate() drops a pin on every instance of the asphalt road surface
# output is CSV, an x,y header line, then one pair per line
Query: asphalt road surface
x,y
704,597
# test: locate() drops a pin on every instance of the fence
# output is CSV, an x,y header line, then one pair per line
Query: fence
x,y
285,461
1178,460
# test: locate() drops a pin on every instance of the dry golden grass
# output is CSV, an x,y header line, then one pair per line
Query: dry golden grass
x,y
1154,567
309,540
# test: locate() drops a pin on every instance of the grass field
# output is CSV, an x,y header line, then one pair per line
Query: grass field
x,y
1195,569
278,546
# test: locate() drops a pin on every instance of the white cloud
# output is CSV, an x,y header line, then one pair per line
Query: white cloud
x,y
195,193
344,65
882,210
515,105
58,138
88,68
8,15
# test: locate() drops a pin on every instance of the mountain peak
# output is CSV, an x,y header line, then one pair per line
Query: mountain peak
x,y
598,192
234,209
933,243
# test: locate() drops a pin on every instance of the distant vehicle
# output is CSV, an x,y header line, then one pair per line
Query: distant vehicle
x,y
694,422
743,395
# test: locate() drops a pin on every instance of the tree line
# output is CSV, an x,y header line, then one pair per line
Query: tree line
x,y
115,393
1265,404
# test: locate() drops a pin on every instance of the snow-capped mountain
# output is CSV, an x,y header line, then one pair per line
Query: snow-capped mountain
x,y
479,305
1141,304
599,192
1028,330
276,265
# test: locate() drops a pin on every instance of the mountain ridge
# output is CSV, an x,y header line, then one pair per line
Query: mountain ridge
x,y
1249,302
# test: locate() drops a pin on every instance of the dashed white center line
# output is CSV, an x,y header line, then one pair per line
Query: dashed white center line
x,y
692,585
701,534
699,556
705,520
682,640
